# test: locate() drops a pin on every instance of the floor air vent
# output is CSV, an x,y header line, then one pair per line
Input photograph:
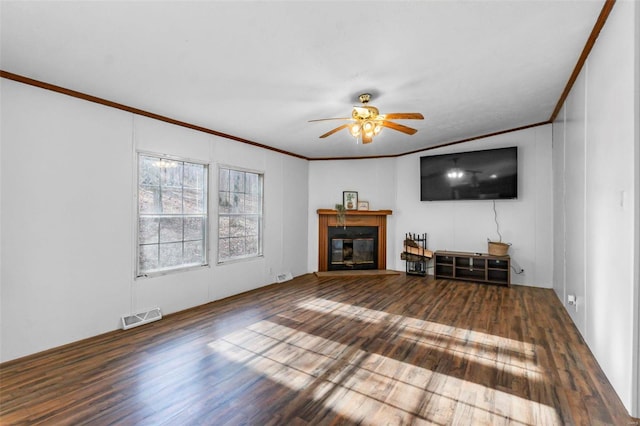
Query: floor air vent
x,y
141,318
280,278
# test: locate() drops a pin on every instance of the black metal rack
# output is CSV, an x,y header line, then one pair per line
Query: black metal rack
x,y
415,254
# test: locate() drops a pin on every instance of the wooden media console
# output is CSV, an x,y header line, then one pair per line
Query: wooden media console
x,y
477,267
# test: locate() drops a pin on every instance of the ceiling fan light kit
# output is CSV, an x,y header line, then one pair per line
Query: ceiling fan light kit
x,y
367,121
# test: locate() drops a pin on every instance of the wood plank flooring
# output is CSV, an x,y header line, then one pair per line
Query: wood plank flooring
x,y
357,273
324,350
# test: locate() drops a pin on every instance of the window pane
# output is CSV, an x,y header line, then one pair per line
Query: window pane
x,y
148,257
223,226
170,229
193,228
148,230
236,226
237,181
172,200
149,199
223,202
193,201
223,182
237,202
223,249
251,203
193,175
149,171
252,183
171,173
193,252
252,224
236,247
170,255
252,245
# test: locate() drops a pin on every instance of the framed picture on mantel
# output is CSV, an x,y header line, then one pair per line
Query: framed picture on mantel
x,y
350,200
363,205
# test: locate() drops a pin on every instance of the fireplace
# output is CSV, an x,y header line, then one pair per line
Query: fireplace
x,y
353,247
360,244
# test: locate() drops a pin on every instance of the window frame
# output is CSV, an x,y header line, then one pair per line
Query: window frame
x,y
219,213
138,274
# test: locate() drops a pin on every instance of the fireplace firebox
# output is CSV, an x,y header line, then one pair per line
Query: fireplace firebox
x,y
353,247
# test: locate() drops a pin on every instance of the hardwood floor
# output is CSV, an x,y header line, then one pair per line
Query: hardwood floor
x,y
325,350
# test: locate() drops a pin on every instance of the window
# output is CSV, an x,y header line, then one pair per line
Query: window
x,y
239,214
172,214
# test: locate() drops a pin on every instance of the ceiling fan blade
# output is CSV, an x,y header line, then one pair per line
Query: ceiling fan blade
x,y
366,139
327,119
398,127
404,116
337,129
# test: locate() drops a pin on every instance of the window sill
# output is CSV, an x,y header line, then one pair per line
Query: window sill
x,y
240,260
163,272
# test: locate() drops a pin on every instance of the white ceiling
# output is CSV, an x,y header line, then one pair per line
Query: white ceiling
x,y
260,70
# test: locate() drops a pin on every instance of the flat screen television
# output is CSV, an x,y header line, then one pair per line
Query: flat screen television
x,y
491,174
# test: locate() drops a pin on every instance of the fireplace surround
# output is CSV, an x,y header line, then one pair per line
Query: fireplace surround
x,y
376,219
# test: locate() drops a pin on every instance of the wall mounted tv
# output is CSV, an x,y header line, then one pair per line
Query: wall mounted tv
x,y
475,175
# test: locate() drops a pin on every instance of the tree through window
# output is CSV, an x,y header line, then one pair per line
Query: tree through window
x,y
172,214
239,214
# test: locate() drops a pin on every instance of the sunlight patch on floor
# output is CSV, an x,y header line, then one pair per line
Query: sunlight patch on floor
x,y
370,315
343,309
356,383
490,354
490,350
392,384
289,357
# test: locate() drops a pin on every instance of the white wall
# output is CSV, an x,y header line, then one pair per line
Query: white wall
x,y
66,261
559,225
595,151
456,225
526,223
1,235
373,179
574,201
68,219
636,309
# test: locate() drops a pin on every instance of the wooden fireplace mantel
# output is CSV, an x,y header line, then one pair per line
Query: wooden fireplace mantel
x,y
329,217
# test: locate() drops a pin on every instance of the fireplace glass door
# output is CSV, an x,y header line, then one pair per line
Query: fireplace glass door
x,y
353,248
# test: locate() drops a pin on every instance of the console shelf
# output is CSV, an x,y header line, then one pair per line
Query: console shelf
x,y
477,267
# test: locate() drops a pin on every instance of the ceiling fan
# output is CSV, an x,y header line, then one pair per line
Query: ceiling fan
x,y
366,121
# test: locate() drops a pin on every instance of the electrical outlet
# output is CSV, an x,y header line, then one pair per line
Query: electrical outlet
x,y
572,300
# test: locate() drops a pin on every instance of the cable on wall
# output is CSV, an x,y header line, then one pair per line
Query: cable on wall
x,y
495,218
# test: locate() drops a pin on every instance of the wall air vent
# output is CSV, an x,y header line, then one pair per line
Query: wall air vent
x,y
141,318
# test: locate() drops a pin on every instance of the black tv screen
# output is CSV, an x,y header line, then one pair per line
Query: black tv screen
x,y
476,175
